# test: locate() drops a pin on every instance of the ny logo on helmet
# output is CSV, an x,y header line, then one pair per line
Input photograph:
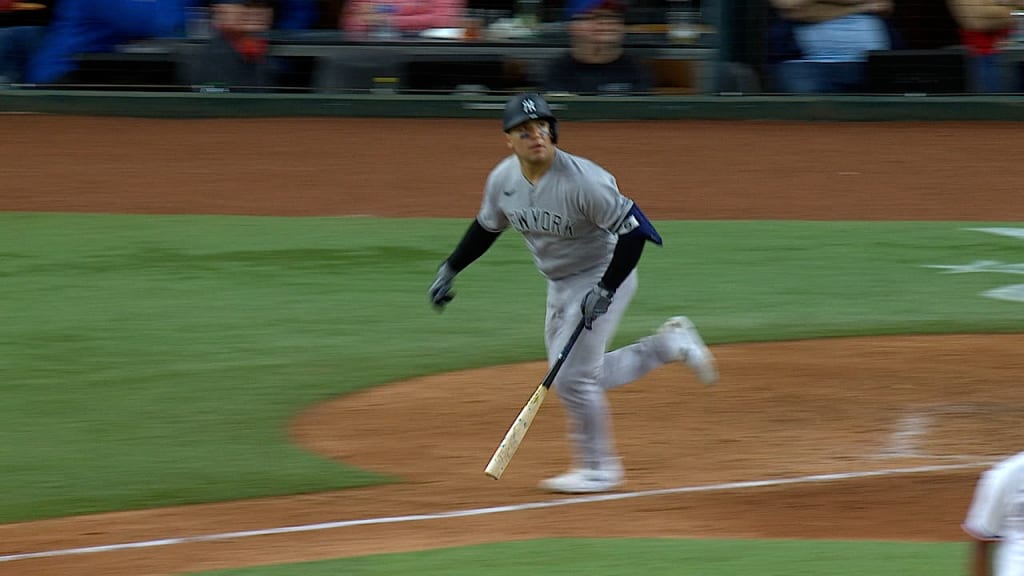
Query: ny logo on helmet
x,y
529,107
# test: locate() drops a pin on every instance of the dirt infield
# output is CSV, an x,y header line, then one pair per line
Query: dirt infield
x,y
861,410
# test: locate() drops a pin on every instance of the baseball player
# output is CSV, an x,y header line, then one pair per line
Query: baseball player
x,y
996,514
586,239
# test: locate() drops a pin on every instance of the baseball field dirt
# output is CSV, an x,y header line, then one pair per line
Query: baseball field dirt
x,y
781,410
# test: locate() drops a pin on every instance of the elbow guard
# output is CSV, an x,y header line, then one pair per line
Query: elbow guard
x,y
637,222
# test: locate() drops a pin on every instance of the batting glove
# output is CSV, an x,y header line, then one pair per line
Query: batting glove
x,y
595,303
441,290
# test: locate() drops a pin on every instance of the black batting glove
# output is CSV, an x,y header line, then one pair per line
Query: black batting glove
x,y
440,291
595,303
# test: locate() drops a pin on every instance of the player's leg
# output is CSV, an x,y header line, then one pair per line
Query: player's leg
x,y
630,362
577,382
596,467
676,341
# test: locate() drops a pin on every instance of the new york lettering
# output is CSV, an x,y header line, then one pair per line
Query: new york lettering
x,y
537,220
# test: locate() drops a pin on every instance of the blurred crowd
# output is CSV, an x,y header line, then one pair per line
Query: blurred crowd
x,y
825,46
46,52
798,46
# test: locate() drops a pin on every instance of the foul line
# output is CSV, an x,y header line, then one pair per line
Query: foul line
x,y
490,510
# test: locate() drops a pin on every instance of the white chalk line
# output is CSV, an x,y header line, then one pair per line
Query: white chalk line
x,y
607,497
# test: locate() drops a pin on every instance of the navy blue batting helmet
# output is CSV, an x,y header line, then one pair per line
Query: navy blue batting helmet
x,y
525,107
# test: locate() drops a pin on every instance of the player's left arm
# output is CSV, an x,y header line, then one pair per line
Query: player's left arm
x,y
633,233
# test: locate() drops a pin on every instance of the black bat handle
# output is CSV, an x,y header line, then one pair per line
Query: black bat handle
x,y
562,355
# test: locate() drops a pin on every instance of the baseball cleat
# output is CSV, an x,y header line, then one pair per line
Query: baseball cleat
x,y
689,347
584,481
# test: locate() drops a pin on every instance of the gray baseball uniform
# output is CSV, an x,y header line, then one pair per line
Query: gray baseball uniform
x,y
567,219
570,220
586,239
997,512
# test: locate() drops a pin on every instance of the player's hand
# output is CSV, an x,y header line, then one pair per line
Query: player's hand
x,y
441,290
595,303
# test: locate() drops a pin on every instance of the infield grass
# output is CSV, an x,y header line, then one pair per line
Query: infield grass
x,y
156,360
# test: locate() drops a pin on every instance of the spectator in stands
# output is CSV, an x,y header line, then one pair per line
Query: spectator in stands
x,y
95,26
237,58
362,17
17,45
35,13
984,26
83,26
821,46
21,34
596,63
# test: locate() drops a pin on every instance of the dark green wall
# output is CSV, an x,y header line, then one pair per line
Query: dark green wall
x,y
197,105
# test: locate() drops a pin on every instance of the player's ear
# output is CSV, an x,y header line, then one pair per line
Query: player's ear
x,y
508,141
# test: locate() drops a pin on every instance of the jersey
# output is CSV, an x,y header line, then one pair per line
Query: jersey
x,y
997,511
570,218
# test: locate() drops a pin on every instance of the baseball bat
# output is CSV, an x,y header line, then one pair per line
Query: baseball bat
x,y
514,437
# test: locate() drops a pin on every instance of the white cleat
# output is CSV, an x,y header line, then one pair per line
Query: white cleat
x,y
689,347
584,481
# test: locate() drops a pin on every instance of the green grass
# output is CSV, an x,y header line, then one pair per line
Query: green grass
x,y
646,557
151,361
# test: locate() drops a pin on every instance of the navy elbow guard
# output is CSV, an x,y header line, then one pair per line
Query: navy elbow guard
x,y
637,223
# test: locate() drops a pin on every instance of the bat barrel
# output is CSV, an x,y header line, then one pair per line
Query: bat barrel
x,y
503,455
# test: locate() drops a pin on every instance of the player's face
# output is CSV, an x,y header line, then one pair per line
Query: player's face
x,y
531,141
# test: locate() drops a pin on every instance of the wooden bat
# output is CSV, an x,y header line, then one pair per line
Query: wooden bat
x,y
514,437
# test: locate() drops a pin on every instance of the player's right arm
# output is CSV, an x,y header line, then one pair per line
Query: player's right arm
x,y
477,239
605,206
474,243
